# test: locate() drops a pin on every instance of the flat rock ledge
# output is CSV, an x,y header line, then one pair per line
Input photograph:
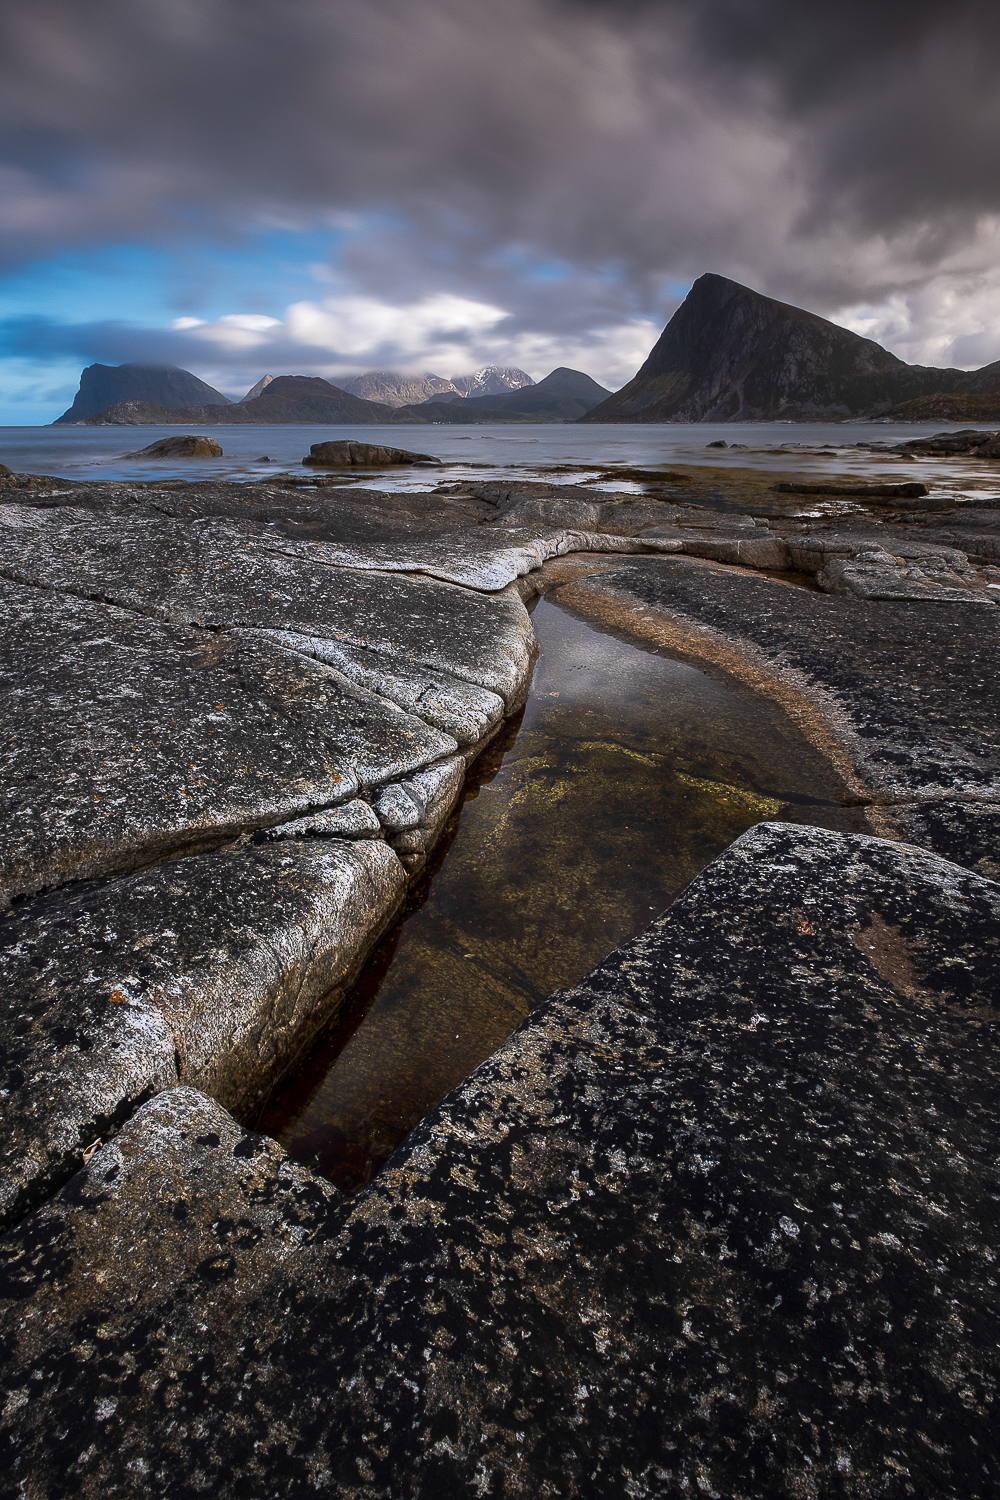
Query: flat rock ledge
x,y
721,1220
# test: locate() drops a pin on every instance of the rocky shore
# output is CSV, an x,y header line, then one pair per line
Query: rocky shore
x,y
719,1220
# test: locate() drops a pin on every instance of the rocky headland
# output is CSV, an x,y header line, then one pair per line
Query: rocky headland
x,y
720,1219
729,354
159,386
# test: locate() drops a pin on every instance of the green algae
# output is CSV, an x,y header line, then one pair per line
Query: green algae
x,y
628,773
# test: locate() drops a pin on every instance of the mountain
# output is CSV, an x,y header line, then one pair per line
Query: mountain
x,y
160,385
730,355
563,396
288,399
392,389
491,380
258,389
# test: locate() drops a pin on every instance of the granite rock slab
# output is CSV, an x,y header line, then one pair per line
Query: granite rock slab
x,y
879,575
212,970
720,1220
461,709
221,576
129,740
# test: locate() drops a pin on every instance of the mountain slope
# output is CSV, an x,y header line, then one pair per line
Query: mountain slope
x,y
392,389
160,385
730,355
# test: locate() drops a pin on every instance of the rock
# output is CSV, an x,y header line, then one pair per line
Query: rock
x,y
719,443
761,551
130,740
355,820
971,440
489,562
680,1234
212,971
907,491
461,709
222,577
180,447
370,455
813,551
885,690
5,473
878,575
413,812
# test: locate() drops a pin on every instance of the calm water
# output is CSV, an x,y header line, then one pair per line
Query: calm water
x,y
500,450
628,774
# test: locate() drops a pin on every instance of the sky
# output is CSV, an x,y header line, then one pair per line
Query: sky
x,y
243,187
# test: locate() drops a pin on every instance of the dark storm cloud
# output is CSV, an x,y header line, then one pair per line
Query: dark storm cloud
x,y
766,138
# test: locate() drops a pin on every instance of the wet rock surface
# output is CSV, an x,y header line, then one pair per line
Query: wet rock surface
x,y
372,455
908,686
722,1218
180,447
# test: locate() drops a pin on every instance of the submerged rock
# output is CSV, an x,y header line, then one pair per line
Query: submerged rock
x,y
180,447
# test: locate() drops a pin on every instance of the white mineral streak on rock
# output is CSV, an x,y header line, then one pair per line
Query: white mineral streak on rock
x,y
461,709
211,970
355,820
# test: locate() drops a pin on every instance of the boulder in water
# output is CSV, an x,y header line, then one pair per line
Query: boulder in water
x,y
187,446
344,454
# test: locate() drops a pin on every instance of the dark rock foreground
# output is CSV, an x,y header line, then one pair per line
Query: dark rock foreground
x,y
720,1220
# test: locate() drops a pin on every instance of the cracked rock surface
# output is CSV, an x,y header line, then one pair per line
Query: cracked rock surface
x,y
130,740
720,1219
210,970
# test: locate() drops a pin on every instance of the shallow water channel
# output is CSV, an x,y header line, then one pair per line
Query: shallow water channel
x,y
627,774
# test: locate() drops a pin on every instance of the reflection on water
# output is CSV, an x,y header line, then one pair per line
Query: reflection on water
x,y
628,774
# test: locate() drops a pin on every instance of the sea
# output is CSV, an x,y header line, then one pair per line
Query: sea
x,y
567,453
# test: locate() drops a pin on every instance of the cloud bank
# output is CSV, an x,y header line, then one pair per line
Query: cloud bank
x,y
534,175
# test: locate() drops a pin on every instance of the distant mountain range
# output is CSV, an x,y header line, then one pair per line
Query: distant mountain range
x,y
727,355
730,355
390,388
562,396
